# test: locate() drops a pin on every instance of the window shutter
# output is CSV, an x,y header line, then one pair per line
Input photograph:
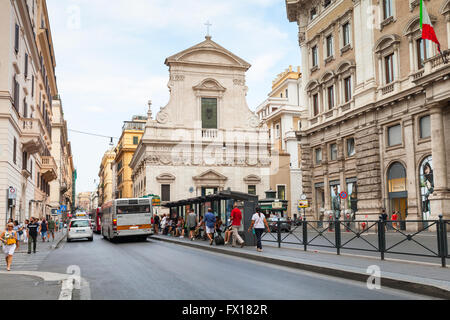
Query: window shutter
x,y
16,42
209,113
26,66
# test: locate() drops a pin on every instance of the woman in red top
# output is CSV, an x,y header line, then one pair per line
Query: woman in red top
x,y
394,219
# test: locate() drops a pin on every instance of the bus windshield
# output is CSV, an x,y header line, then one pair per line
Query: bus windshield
x,y
133,209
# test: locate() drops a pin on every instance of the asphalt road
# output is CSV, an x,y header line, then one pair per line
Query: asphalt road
x,y
155,270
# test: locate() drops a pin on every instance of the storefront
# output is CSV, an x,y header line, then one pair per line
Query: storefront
x,y
398,194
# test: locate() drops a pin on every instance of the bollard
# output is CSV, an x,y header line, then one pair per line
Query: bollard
x,y
441,230
305,235
279,233
338,235
382,237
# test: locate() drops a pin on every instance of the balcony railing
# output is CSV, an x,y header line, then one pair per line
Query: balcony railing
x,y
209,133
388,89
134,126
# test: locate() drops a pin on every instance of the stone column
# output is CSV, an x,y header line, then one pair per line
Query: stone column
x,y
440,199
411,178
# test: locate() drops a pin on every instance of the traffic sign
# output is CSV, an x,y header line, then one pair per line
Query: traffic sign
x,y
343,195
63,208
12,194
303,197
303,204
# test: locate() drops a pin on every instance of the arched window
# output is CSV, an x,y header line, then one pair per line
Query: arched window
x,y
387,49
397,178
426,186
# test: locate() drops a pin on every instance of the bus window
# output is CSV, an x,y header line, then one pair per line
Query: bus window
x,y
133,209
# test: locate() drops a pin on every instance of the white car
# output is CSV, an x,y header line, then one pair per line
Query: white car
x,y
80,229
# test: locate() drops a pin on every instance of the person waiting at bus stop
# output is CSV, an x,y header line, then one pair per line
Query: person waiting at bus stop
x,y
210,222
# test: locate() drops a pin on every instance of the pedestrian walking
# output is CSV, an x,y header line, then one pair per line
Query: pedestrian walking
x,y
51,229
210,222
32,233
10,243
25,233
394,219
259,223
156,222
43,228
384,217
191,222
236,219
19,230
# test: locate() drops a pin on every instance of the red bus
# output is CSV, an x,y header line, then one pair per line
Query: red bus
x,y
97,217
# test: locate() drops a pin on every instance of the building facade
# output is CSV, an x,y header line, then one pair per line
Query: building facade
x,y
84,201
206,139
282,113
61,188
27,88
106,188
378,100
132,133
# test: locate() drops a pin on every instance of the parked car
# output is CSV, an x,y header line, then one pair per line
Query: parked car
x,y
80,229
285,225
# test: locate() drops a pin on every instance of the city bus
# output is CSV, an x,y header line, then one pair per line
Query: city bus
x,y
127,218
96,217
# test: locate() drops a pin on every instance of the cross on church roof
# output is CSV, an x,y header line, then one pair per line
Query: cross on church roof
x,y
208,25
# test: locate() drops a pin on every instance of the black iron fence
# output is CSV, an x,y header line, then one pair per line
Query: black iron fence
x,y
381,237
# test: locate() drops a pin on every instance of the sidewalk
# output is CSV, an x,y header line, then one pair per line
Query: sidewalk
x,y
43,246
23,287
31,262
422,278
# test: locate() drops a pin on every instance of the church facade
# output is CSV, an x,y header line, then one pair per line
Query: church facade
x,y
205,139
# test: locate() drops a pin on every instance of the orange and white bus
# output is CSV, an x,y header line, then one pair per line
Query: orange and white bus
x,y
127,218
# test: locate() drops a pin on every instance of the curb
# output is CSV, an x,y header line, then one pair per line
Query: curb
x,y
414,287
55,246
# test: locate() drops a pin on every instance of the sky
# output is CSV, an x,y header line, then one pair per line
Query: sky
x,y
110,59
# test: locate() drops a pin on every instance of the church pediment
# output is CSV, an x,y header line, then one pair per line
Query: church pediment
x,y
252,179
165,178
209,85
208,52
210,175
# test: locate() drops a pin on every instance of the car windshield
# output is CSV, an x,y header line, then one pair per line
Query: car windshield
x,y
133,209
79,224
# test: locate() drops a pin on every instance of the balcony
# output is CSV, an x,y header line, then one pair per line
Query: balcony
x,y
435,69
49,168
32,136
210,133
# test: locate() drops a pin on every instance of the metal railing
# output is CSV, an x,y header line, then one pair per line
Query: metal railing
x,y
376,236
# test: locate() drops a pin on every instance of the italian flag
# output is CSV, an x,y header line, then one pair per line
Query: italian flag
x,y
428,32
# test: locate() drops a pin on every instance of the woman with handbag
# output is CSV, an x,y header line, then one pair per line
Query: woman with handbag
x,y
258,223
9,240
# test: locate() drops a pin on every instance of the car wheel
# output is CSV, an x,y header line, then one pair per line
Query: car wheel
x,y
68,240
91,239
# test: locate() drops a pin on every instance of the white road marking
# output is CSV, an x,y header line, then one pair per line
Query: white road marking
x,y
66,280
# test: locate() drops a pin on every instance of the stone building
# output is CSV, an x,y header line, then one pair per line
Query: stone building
x,y
378,100
27,88
61,188
106,187
132,133
283,113
206,139
84,201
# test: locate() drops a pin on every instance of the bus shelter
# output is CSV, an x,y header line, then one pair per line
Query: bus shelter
x,y
273,206
222,204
